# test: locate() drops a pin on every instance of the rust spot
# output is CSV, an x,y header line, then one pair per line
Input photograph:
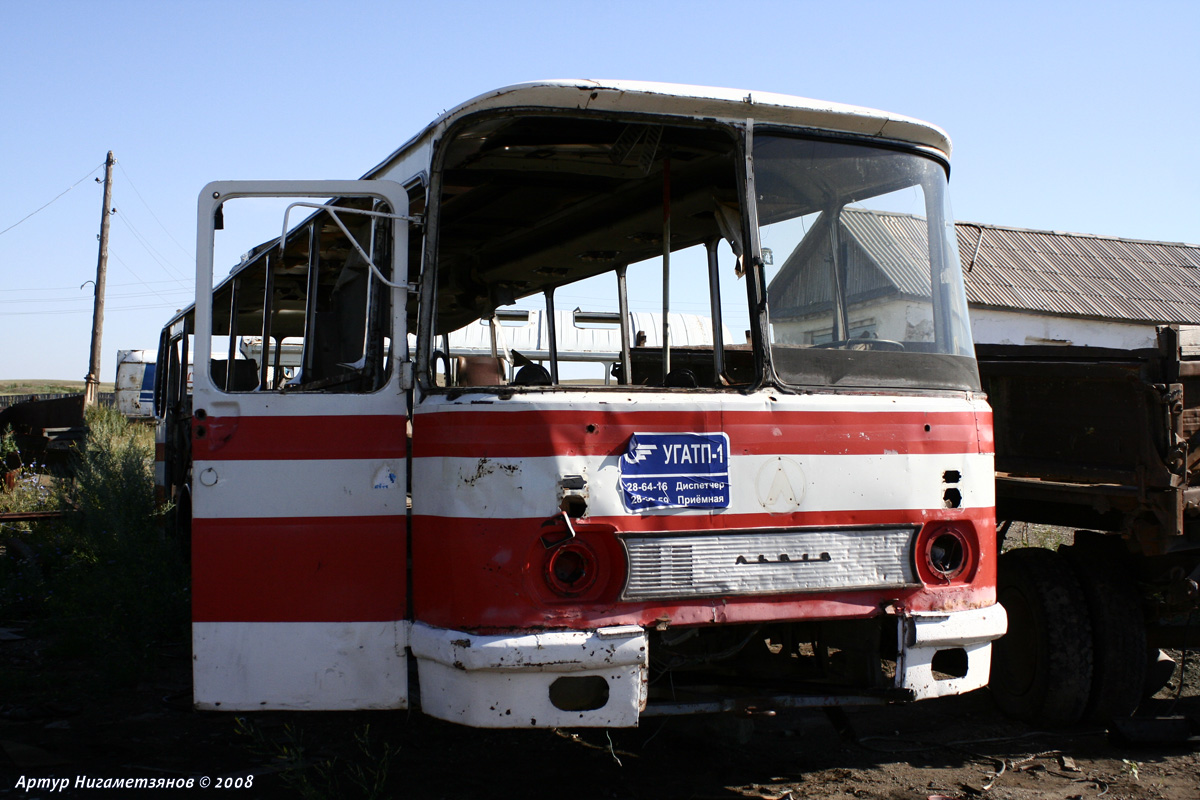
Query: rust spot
x,y
483,468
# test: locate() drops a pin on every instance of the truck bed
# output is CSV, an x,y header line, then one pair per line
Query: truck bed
x,y
1099,439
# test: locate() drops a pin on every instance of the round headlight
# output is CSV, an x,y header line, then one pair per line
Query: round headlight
x,y
571,568
946,553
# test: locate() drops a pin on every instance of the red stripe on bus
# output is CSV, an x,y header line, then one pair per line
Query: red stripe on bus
x,y
699,521
495,580
292,438
595,432
587,432
298,570
463,612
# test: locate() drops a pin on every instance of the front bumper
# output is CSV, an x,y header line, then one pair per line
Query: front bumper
x,y
924,635
539,680
598,678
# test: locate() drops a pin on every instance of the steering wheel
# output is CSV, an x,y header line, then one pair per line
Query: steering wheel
x,y
889,345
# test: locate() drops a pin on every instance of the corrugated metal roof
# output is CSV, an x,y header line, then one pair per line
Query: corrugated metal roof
x,y
889,254
898,244
1080,275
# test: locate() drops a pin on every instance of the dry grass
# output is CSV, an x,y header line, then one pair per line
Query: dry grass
x,y
1028,534
46,386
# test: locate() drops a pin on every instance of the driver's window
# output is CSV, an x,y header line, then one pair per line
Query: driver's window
x,y
853,277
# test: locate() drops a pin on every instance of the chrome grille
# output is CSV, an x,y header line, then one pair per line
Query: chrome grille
x,y
754,563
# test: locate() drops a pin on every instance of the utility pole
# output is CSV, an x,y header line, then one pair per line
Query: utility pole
x,y
92,389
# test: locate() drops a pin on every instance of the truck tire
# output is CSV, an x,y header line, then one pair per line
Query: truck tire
x,y
1042,667
1118,630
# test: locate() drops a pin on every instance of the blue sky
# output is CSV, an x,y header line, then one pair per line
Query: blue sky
x,y
1075,116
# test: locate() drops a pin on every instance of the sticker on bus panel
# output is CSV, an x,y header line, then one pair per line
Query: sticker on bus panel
x,y
675,470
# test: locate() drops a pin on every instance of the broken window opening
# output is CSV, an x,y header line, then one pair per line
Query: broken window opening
x,y
311,310
541,213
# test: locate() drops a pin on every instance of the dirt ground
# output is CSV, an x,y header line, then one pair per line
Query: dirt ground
x,y
952,748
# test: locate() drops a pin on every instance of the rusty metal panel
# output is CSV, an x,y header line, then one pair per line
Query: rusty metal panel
x,y
1084,421
1095,438
45,429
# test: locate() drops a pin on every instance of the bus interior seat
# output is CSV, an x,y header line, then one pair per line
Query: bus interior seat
x,y
480,371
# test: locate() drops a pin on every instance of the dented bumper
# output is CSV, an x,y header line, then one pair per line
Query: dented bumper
x,y
539,680
964,641
598,678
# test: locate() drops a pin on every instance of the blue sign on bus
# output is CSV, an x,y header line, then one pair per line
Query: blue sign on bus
x,y
675,470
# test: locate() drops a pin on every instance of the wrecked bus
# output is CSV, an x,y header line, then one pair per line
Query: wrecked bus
x,y
795,508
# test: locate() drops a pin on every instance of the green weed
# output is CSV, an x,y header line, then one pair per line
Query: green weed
x,y
103,580
357,771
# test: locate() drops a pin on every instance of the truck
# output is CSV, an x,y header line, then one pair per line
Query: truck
x,y
792,507
1104,442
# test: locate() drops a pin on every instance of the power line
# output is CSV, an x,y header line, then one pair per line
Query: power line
x,y
164,304
76,288
154,254
151,210
139,277
60,194
88,298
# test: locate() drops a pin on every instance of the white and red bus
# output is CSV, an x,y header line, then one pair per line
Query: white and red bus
x,y
791,507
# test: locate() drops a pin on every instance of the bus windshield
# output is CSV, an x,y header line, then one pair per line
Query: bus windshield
x,y
864,287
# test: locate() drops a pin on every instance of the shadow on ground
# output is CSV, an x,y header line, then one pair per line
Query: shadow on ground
x,y
951,748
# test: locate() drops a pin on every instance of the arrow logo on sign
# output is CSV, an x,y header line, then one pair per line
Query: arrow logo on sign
x,y
641,451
